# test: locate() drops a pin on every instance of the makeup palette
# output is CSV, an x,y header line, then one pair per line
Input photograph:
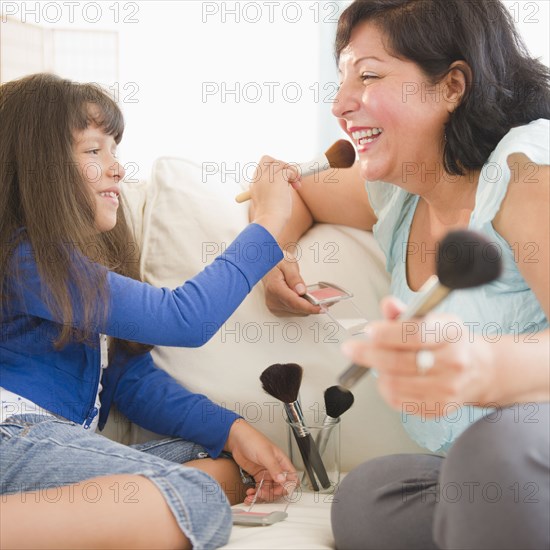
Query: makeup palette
x,y
323,293
256,519
332,300
240,516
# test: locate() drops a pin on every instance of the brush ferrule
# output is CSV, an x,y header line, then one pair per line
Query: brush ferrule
x,y
295,416
330,421
298,407
324,434
352,375
318,164
430,295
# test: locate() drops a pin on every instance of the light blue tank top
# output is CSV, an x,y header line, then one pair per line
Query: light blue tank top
x,y
505,306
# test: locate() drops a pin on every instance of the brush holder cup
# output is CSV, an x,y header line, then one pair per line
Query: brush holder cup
x,y
326,438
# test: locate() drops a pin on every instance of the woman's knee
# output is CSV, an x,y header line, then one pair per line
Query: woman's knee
x,y
352,507
501,445
494,485
376,505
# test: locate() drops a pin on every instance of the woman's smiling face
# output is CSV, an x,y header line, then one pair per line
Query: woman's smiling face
x,y
388,107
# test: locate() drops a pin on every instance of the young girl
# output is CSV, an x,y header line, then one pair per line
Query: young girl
x,y
72,314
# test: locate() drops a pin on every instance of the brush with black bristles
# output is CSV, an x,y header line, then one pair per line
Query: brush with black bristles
x,y
282,381
465,259
337,402
340,154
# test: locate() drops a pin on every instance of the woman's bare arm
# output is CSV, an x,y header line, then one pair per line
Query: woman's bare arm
x,y
334,196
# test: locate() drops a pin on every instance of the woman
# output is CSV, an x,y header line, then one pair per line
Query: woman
x,y
449,116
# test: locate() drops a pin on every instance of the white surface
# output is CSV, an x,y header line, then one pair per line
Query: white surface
x,y
307,526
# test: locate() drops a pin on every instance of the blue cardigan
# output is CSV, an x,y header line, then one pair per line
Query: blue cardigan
x,y
66,382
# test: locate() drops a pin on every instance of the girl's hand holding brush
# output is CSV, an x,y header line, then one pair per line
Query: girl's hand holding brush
x,y
284,286
270,194
262,459
340,154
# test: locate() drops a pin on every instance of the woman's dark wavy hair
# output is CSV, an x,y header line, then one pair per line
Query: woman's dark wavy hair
x,y
507,87
44,201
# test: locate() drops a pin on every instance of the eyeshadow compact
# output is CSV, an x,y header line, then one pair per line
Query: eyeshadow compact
x,y
245,517
323,293
256,519
335,302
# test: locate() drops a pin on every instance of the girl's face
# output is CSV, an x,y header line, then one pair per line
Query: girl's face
x,y
393,115
95,152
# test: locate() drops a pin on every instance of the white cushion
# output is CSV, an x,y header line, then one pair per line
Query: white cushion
x,y
187,220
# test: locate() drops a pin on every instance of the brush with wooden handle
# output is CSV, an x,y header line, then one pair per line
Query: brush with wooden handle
x,y
341,154
465,259
282,381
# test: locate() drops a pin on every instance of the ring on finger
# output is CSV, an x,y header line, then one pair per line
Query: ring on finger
x,y
424,361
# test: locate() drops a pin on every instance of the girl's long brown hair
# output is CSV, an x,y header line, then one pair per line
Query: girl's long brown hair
x,y
44,201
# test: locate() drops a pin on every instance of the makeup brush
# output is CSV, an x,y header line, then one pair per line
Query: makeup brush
x,y
465,259
340,154
337,402
282,381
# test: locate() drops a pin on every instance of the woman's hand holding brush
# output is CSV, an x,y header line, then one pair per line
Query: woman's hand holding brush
x,y
456,374
464,260
262,459
426,361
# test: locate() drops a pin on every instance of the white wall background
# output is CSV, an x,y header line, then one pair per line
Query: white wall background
x,y
180,60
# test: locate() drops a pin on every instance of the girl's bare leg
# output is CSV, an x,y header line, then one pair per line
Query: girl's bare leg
x,y
64,517
226,473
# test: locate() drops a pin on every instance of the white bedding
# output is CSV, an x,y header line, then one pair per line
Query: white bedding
x,y
307,526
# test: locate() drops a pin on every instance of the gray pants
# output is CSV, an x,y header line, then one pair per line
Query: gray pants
x,y
491,492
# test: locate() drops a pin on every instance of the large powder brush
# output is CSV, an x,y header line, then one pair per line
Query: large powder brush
x,y
283,381
465,259
340,154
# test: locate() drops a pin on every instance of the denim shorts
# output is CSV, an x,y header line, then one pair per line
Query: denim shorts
x,y
39,453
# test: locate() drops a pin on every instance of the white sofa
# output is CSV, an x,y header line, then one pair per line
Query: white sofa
x,y
182,219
